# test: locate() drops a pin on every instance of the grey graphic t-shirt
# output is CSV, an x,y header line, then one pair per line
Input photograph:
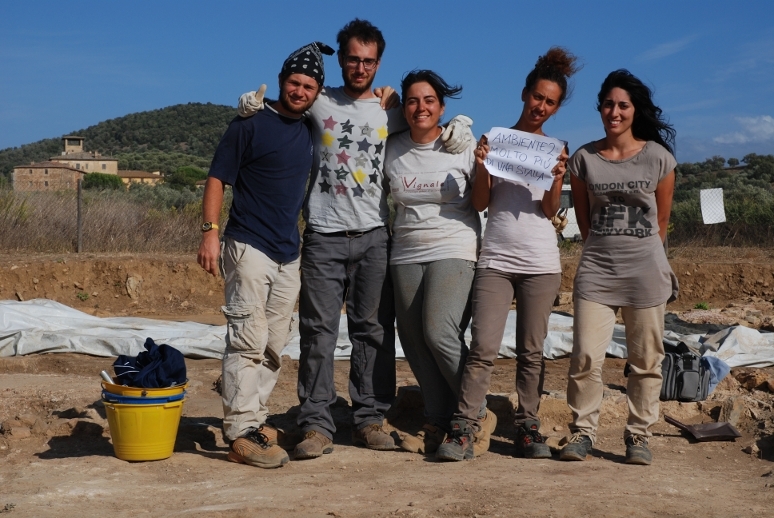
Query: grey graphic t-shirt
x,y
623,261
345,190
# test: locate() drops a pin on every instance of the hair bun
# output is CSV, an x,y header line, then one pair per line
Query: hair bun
x,y
560,60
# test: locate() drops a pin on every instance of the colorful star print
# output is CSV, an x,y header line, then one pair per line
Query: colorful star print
x,y
325,186
342,157
366,130
357,191
329,123
324,169
374,177
379,148
363,145
327,139
341,173
375,162
361,161
346,127
371,192
325,154
382,132
344,142
359,176
341,189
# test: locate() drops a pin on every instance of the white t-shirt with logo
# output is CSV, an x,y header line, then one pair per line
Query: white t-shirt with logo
x,y
432,191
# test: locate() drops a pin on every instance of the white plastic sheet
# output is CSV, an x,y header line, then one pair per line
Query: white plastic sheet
x,y
45,326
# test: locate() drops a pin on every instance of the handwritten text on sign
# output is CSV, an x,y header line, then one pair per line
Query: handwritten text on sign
x,y
524,157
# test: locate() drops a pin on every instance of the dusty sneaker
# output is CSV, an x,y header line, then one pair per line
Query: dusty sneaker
x,y
253,448
637,451
578,447
482,437
373,437
313,446
529,443
458,445
426,440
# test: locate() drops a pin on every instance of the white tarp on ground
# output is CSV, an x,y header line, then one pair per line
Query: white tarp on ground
x,y
45,326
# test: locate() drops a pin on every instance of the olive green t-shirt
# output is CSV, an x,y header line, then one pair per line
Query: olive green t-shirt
x,y
623,261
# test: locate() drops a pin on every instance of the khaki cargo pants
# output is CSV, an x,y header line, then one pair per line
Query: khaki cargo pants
x,y
260,296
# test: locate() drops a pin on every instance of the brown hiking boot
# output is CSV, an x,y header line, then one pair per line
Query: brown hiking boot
x,y
313,446
481,438
373,437
426,440
278,436
253,448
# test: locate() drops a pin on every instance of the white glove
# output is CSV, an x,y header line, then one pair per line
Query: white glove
x,y
251,102
457,137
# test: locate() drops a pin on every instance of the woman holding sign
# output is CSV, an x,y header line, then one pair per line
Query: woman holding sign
x,y
434,248
519,258
622,186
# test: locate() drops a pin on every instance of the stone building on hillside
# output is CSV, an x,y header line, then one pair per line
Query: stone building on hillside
x,y
46,176
130,177
87,161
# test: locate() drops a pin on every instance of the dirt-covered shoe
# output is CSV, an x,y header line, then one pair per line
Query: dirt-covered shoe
x,y
426,440
578,447
458,445
482,437
253,448
373,437
637,451
313,446
529,443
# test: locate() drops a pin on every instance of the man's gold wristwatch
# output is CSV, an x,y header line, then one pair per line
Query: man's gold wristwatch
x,y
209,225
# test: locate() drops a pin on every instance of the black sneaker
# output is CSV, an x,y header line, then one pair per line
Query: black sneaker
x,y
458,445
637,451
578,447
529,443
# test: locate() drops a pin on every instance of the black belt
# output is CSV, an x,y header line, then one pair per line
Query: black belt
x,y
345,233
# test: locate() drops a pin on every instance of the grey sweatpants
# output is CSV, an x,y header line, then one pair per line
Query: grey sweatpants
x,y
432,310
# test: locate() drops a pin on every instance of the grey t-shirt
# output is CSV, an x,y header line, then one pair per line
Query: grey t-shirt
x,y
345,189
623,261
432,190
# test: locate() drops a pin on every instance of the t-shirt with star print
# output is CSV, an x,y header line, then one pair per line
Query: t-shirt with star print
x,y
346,188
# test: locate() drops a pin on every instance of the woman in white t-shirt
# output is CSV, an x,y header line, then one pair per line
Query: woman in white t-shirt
x,y
435,238
622,186
519,259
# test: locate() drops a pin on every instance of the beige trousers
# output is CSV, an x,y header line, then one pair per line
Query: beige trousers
x,y
260,296
592,332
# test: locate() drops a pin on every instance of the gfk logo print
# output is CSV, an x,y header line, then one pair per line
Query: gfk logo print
x,y
622,220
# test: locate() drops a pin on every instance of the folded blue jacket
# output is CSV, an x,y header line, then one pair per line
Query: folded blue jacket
x,y
160,366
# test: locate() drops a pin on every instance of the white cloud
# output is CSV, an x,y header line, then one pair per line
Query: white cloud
x,y
667,49
754,129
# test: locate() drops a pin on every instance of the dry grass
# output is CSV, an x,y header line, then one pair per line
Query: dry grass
x,y
112,222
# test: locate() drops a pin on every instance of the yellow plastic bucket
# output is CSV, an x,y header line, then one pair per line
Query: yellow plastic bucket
x,y
121,390
144,432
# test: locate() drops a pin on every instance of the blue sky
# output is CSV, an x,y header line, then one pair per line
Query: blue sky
x,y
69,65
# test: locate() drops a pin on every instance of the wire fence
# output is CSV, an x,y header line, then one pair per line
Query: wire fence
x,y
112,221
159,219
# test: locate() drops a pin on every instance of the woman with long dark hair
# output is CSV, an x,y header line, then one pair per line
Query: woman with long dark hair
x,y
519,259
622,186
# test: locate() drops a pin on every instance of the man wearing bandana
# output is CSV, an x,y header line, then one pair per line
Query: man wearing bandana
x,y
346,250
266,159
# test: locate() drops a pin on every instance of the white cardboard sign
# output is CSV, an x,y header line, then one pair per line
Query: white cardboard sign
x,y
524,157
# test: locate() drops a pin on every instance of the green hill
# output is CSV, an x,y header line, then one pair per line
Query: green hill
x,y
158,140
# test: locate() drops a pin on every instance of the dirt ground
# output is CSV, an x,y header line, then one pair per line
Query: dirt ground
x,y
56,457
